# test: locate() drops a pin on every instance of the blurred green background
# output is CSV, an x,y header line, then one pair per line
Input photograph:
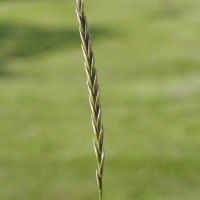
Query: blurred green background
x,y
148,61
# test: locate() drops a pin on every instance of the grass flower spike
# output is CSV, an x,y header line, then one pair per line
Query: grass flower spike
x,y
94,95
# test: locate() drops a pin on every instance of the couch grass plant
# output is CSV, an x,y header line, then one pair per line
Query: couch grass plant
x,y
94,93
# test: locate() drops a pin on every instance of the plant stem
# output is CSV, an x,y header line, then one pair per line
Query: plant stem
x,y
100,196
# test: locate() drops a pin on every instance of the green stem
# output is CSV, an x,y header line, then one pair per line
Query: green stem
x,y
100,195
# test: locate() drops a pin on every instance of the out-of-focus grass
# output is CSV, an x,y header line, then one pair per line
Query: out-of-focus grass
x,y
148,64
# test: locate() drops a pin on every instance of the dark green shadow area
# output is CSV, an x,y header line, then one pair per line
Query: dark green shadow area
x,y
32,41
21,41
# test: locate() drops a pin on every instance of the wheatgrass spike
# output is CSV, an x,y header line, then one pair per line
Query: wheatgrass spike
x,y
94,93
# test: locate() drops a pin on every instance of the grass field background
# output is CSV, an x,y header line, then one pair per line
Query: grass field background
x,y
148,63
